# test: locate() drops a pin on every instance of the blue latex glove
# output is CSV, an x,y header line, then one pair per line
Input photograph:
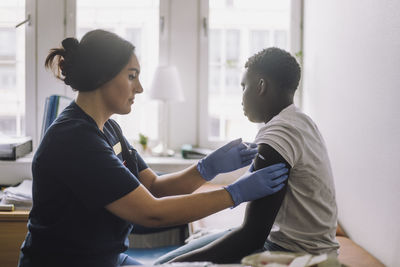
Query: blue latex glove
x,y
258,184
230,157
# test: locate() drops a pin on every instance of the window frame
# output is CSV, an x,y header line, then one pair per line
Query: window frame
x,y
31,111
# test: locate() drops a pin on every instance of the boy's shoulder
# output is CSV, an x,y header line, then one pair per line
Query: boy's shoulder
x,y
291,118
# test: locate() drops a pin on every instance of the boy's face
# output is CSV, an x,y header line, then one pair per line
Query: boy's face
x,y
251,98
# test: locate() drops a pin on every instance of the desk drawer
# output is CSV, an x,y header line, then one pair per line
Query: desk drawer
x,y
12,234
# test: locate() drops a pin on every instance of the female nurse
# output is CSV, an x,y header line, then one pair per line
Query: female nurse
x,y
84,197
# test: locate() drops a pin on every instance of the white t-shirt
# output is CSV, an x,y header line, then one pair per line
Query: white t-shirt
x,y
307,219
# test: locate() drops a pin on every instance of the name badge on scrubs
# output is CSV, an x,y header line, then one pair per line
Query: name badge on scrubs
x,y
117,148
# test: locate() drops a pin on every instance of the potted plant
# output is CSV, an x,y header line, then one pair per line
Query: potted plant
x,y
143,141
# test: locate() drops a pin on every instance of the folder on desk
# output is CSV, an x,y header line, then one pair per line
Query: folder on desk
x,y
54,105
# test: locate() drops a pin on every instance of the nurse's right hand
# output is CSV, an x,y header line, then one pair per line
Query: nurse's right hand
x,y
258,184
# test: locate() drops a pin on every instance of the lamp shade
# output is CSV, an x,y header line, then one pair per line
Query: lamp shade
x,y
166,85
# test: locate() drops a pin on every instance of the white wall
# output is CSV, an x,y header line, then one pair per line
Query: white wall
x,y
352,90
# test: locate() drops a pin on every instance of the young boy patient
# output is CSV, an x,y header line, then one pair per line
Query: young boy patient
x,y
302,217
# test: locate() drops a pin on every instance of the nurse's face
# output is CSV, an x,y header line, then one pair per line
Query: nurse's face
x,y
119,93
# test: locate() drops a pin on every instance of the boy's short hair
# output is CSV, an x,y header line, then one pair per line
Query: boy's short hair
x,y
278,65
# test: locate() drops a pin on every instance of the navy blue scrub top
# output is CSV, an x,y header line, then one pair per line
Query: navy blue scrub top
x,y
75,175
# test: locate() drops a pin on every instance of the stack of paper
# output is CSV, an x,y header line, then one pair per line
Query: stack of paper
x,y
20,196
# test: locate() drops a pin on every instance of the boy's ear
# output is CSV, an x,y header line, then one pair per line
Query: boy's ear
x,y
262,86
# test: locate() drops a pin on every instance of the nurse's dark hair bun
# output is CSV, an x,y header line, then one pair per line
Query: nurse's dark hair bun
x,y
90,63
61,60
66,65
70,44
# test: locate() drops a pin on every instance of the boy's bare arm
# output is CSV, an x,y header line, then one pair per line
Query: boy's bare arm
x,y
251,235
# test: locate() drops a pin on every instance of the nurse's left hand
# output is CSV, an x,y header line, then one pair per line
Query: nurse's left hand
x,y
227,158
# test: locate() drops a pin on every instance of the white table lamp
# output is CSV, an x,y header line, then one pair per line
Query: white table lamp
x,y
165,87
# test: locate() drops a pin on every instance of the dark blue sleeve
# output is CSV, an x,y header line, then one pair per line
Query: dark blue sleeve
x,y
140,162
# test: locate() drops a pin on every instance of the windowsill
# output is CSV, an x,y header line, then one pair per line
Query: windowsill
x,y
168,164
13,172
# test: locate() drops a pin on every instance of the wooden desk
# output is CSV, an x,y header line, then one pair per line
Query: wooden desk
x,y
12,234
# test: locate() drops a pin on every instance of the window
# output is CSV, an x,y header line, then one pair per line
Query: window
x,y
238,29
136,21
211,113
12,68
